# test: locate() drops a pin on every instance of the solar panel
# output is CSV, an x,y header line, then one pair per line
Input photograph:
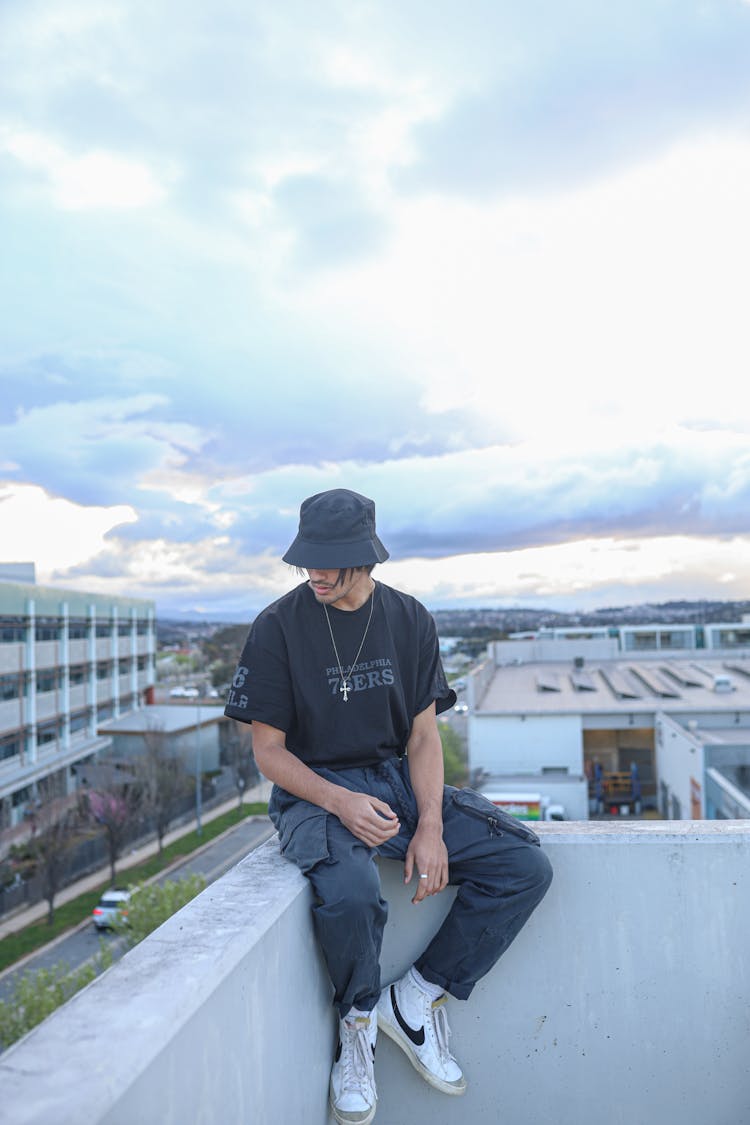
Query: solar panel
x,y
654,682
582,681
547,681
682,675
734,666
618,684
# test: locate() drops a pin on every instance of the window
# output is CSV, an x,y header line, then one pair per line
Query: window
x,y
78,629
103,670
47,680
123,667
47,628
123,629
12,629
10,746
734,638
141,628
48,733
11,686
674,640
104,628
77,674
79,721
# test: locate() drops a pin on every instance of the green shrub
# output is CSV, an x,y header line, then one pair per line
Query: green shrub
x,y
152,905
38,993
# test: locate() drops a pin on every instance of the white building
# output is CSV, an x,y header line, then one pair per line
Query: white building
x,y
68,661
544,712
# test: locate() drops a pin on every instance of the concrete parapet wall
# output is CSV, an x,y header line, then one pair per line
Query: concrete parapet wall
x,y
625,999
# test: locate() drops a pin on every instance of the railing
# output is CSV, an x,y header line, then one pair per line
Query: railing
x,y
623,1000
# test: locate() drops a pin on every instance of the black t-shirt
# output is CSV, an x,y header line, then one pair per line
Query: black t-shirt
x,y
288,676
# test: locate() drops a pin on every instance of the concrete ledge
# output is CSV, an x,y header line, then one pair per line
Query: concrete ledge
x,y
625,998
198,1022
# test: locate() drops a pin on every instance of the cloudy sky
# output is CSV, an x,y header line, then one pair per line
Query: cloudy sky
x,y
486,263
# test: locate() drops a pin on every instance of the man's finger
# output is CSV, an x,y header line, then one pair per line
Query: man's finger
x,y
382,809
421,890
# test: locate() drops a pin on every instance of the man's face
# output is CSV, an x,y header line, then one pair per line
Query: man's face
x,y
348,594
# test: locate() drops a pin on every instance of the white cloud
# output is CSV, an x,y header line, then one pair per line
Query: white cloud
x,y
585,573
616,305
92,180
52,531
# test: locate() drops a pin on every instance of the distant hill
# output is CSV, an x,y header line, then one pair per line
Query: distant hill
x,y
482,622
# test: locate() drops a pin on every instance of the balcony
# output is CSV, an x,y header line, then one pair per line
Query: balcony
x,y
625,999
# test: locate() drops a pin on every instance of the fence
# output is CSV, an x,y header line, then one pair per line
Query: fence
x,y
90,854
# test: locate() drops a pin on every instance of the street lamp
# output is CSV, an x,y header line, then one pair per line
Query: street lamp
x,y
198,827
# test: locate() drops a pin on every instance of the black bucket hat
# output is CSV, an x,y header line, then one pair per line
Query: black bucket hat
x,y
336,530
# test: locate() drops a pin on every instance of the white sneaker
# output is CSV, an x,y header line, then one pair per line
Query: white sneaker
x,y
419,1026
352,1090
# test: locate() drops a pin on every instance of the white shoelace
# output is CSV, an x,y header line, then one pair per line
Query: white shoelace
x,y
359,1071
442,1032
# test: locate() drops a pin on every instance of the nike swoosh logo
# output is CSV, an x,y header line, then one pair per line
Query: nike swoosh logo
x,y
417,1037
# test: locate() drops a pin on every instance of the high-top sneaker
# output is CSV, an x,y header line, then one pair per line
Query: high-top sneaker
x,y
352,1090
419,1025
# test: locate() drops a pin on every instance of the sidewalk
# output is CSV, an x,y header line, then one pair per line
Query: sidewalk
x,y
22,918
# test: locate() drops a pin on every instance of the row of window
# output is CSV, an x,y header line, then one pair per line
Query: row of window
x,y
11,745
51,629
13,685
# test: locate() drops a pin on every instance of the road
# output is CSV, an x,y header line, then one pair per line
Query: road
x,y
81,945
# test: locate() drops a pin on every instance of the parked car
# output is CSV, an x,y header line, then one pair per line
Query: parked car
x,y
111,908
184,693
461,708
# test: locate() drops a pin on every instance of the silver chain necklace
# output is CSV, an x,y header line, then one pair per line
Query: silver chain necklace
x,y
346,685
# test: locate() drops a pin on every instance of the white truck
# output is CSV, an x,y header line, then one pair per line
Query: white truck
x,y
526,806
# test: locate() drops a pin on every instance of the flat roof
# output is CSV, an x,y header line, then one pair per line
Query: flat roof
x,y
162,717
48,599
722,736
627,684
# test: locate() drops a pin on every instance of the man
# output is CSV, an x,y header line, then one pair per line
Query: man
x,y
342,680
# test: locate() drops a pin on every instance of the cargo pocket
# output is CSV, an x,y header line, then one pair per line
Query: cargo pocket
x,y
498,821
303,838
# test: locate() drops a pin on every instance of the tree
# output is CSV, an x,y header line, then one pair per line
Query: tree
x,y
162,782
241,758
53,835
453,760
114,808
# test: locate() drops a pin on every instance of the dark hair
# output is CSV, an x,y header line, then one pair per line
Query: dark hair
x,y
344,572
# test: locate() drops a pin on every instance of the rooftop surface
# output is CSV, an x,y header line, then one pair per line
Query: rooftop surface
x,y
163,717
627,684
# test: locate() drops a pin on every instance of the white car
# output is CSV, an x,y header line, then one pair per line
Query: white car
x,y
184,693
461,708
111,908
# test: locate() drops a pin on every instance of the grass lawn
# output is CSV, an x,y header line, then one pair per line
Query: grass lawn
x,y
33,937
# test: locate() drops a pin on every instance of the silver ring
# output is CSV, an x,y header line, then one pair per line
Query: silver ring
x,y
424,876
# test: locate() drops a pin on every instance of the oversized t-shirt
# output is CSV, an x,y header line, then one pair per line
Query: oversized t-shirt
x,y
289,677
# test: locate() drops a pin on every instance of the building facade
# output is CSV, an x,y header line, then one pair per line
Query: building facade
x,y
68,662
635,718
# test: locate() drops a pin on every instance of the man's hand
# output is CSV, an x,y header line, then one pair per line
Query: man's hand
x,y
370,820
428,855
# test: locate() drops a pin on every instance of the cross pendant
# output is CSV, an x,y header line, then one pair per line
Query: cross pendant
x,y
345,688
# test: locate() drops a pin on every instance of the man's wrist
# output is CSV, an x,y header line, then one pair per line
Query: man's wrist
x,y
431,821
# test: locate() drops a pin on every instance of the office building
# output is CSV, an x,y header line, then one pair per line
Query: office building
x,y
68,662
